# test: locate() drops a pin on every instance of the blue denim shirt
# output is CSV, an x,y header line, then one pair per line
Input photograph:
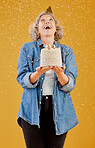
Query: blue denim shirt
x,y
64,114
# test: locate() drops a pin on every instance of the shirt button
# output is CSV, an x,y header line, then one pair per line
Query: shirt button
x,y
41,89
46,97
39,102
42,78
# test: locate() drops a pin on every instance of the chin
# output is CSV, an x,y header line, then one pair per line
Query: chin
x,y
48,35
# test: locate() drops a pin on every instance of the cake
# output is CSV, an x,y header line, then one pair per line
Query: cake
x,y
50,57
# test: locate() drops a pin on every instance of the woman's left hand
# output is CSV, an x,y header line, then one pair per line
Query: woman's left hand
x,y
62,78
58,69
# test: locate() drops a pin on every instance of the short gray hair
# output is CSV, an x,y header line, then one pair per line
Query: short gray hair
x,y
33,31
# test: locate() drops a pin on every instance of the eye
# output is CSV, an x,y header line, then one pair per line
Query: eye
x,y
51,19
42,20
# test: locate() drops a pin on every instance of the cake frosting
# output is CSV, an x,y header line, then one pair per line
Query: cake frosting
x,y
50,57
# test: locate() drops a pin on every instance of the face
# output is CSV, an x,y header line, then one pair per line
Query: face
x,y
46,26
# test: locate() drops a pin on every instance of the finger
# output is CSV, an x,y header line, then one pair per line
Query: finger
x,y
63,67
38,68
54,68
58,68
46,67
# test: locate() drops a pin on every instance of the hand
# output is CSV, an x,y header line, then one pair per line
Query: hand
x,y
43,69
39,71
58,69
62,78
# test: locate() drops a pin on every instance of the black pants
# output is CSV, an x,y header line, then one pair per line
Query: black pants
x,y
45,136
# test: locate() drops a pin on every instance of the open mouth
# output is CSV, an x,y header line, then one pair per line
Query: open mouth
x,y
47,27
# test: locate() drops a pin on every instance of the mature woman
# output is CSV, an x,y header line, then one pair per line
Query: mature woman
x,y
46,112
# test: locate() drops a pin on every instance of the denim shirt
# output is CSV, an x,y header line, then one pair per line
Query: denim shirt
x,y
64,114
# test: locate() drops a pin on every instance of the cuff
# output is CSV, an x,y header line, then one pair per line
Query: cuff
x,y
27,81
67,87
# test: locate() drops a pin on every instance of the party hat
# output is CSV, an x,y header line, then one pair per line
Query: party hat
x,y
49,10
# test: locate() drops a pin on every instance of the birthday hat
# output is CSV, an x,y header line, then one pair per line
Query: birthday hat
x,y
49,10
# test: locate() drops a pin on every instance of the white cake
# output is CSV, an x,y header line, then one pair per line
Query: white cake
x,y
50,57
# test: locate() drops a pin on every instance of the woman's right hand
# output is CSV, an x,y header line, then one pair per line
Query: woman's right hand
x,y
39,71
43,69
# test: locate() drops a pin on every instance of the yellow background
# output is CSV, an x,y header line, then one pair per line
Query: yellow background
x,y
77,17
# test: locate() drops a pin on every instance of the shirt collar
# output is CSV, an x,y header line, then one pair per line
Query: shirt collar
x,y
40,43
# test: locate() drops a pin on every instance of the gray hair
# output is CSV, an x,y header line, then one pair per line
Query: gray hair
x,y
33,31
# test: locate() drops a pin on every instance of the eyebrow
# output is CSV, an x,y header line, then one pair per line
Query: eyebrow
x,y
50,16
44,18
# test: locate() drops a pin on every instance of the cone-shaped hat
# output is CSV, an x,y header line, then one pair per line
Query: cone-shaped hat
x,y
49,10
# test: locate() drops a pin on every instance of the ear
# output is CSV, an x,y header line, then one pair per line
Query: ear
x,y
55,30
38,34
38,31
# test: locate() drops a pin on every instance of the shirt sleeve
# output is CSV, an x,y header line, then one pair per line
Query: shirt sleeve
x,y
70,71
23,72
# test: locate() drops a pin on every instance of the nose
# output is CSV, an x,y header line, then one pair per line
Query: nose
x,y
47,21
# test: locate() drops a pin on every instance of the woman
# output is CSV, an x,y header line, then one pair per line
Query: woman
x,y
46,112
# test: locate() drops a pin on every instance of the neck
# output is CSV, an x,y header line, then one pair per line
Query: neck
x,y
48,40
